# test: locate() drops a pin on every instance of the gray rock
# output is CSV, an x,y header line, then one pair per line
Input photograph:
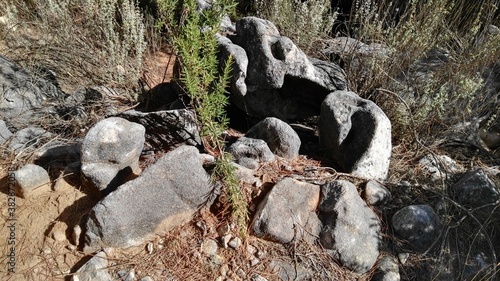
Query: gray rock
x,y
289,272
356,134
474,189
58,153
110,151
166,129
28,138
78,106
351,231
126,275
209,247
439,167
26,96
387,270
250,152
375,194
5,133
239,72
280,80
288,212
94,270
419,225
31,179
279,136
166,195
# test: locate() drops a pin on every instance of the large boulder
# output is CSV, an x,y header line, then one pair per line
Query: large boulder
x,y
111,151
273,77
288,212
166,195
279,136
356,134
351,231
166,129
419,225
25,95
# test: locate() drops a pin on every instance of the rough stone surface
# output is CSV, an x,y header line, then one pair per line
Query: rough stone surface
x,y
351,231
94,269
110,151
29,137
166,195
288,212
387,270
276,79
209,247
289,272
375,194
25,95
474,189
31,179
5,133
439,167
419,225
166,129
250,152
279,136
356,134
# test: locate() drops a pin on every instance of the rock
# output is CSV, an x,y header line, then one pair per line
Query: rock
x,y
166,195
289,272
375,194
209,247
78,107
60,153
288,212
239,72
250,152
279,136
126,275
147,278
351,231
110,151
235,243
31,180
419,225
94,270
166,129
439,167
387,270
257,277
474,189
26,96
26,138
356,134
280,80
5,133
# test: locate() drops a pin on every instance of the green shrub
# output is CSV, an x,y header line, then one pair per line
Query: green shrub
x,y
193,36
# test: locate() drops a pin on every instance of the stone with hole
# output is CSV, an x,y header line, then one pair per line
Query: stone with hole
x,y
356,134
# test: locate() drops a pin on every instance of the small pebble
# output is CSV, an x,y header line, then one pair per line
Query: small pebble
x,y
235,243
149,247
254,262
225,240
59,235
209,247
403,257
